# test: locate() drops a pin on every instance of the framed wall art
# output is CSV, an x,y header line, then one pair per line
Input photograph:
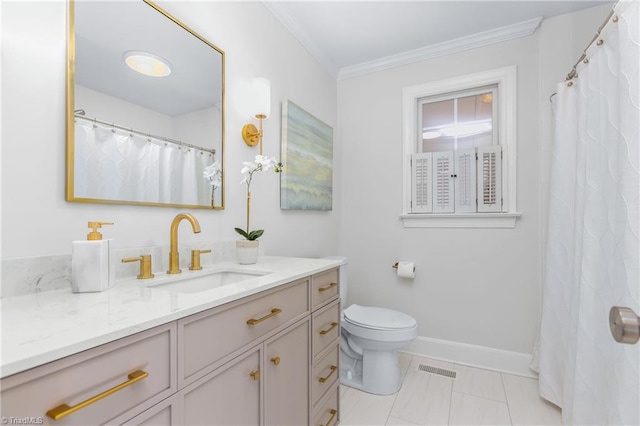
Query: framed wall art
x,y
306,182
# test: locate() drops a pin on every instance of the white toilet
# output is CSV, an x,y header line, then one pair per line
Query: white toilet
x,y
370,338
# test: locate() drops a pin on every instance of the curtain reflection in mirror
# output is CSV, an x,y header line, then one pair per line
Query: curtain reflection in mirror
x,y
114,164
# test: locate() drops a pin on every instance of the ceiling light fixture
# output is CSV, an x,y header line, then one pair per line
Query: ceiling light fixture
x,y
147,63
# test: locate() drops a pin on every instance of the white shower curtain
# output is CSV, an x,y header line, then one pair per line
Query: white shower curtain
x,y
113,164
593,256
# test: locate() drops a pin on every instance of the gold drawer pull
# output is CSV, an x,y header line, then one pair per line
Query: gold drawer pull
x,y
324,379
328,287
274,312
275,360
255,375
333,416
327,331
64,410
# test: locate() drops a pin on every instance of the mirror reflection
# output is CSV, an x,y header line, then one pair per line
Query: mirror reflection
x,y
146,113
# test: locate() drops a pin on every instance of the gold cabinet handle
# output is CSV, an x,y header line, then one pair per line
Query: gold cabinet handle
x,y
333,416
324,379
255,375
328,287
327,331
275,360
274,312
64,410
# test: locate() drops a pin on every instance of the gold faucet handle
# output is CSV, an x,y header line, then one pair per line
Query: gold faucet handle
x,y
195,259
145,265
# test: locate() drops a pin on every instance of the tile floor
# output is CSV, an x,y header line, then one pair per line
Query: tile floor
x,y
474,397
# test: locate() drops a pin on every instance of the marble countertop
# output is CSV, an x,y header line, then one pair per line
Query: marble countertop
x,y
43,327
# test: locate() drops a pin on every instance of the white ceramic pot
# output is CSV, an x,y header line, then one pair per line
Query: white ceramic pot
x,y
247,251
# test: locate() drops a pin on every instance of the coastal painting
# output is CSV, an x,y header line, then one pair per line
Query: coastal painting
x,y
306,182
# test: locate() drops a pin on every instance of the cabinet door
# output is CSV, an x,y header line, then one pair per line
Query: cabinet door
x,y
229,395
286,384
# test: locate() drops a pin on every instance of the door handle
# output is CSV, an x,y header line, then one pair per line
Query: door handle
x,y
624,324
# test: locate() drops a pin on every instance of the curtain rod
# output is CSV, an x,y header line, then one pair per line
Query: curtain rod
x,y
574,73
79,113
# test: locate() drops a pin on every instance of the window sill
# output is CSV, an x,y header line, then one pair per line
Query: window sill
x,y
460,220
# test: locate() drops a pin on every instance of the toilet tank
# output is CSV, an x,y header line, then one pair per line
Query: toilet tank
x,y
342,277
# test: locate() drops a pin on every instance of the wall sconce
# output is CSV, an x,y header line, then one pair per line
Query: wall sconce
x,y
261,108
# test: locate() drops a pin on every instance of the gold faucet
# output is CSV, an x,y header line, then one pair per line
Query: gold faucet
x,y
174,258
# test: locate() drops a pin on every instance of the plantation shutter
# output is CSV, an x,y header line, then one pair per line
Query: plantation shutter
x,y
490,179
443,172
421,183
465,181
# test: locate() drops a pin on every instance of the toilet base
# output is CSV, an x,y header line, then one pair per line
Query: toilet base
x,y
380,373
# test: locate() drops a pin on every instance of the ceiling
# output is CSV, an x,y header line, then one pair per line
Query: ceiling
x,y
350,38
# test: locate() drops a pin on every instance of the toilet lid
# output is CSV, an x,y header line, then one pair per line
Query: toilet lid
x,y
378,318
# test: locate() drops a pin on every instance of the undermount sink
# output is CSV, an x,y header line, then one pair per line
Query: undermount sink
x,y
209,281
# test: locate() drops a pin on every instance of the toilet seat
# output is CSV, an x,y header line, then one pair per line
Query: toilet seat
x,y
378,318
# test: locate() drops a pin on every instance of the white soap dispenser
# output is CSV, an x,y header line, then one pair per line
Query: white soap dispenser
x,y
92,265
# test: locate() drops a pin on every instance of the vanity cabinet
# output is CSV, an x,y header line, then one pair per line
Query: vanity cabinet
x,y
264,384
272,376
213,337
266,359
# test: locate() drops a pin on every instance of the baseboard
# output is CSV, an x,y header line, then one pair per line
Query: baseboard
x,y
475,356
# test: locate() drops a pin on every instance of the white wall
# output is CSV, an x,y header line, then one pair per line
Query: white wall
x,y
36,219
473,286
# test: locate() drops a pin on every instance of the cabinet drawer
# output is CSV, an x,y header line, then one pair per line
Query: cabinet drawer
x,y
78,378
324,375
325,326
324,287
327,412
208,337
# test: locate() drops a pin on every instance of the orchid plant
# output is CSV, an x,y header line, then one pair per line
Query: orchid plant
x,y
249,168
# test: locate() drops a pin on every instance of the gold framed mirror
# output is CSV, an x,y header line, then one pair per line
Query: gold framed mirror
x,y
145,108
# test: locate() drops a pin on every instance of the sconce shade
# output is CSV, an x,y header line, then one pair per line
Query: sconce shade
x,y
261,98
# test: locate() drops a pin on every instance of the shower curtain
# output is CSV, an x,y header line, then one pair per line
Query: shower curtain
x,y
113,164
593,256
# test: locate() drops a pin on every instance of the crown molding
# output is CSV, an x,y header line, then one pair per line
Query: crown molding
x,y
282,13
497,35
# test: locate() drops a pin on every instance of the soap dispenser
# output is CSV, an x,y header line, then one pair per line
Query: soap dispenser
x,y
92,266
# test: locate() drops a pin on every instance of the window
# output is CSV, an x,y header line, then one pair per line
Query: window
x,y
459,145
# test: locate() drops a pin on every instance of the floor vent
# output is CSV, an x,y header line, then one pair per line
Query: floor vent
x,y
439,371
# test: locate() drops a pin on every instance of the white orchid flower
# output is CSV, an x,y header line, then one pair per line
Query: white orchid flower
x,y
213,173
259,164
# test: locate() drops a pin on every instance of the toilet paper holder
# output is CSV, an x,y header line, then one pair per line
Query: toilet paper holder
x,y
395,265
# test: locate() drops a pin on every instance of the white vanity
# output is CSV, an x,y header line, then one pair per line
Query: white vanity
x,y
261,350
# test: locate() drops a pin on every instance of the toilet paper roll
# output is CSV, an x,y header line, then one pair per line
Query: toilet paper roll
x,y
406,269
